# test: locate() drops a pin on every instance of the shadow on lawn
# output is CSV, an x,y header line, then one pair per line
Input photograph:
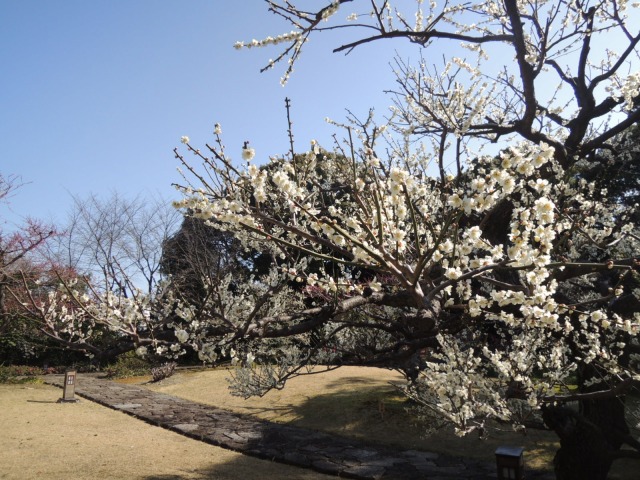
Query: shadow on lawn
x,y
247,468
364,409
373,411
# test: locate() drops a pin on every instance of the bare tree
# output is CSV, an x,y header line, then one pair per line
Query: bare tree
x,y
109,296
118,240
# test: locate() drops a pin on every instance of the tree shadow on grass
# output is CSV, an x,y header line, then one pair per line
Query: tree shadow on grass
x,y
247,468
362,408
359,408
375,412
372,411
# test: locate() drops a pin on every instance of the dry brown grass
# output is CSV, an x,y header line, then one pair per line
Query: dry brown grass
x,y
41,439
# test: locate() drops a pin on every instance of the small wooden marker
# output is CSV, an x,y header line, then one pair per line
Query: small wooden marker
x,y
69,389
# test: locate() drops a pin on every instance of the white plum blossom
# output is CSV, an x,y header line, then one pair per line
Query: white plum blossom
x,y
182,335
247,152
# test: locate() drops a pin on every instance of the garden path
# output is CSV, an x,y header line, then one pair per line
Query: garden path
x,y
305,448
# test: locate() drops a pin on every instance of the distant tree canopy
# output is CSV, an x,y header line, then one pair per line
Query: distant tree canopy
x,y
617,171
21,263
198,255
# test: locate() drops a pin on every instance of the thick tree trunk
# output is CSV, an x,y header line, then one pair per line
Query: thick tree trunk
x,y
585,453
591,436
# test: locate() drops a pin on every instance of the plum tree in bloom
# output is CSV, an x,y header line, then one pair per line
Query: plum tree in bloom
x,y
469,253
459,241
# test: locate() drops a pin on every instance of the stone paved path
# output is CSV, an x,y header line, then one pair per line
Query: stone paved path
x,y
322,452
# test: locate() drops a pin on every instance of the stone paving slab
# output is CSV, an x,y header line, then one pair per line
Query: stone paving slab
x,y
301,447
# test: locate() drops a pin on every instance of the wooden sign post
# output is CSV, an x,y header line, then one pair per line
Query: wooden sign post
x,y
69,388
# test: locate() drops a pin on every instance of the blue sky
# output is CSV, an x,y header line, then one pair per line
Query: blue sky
x,y
96,94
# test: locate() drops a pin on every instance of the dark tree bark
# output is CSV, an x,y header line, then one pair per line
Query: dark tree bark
x,y
585,453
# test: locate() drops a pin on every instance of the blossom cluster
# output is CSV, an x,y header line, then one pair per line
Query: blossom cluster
x,y
81,316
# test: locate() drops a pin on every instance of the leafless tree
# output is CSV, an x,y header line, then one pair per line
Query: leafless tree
x,y
118,241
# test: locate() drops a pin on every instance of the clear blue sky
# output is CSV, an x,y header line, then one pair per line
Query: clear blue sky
x,y
94,95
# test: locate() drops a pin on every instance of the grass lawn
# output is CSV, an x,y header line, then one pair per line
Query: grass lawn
x,y
360,402
41,439
44,439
